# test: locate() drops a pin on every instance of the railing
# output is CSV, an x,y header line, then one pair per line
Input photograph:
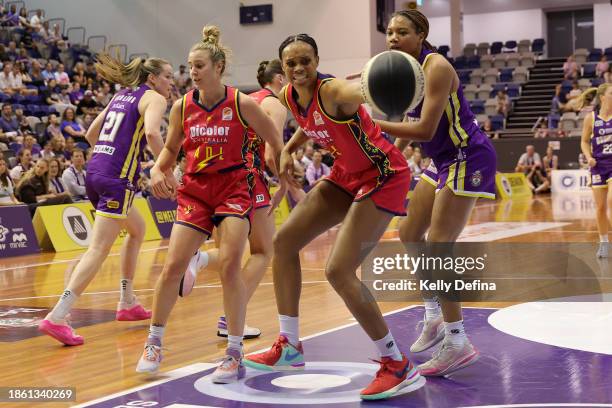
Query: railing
x,y
138,55
16,3
96,37
76,29
118,50
33,12
61,21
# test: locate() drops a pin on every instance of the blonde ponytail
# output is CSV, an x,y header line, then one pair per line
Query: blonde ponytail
x,y
133,74
210,42
593,93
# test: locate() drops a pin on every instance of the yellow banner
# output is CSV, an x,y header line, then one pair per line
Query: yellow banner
x,y
512,185
68,227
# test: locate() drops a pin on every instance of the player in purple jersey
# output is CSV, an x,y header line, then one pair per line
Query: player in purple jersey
x,y
464,164
119,134
596,146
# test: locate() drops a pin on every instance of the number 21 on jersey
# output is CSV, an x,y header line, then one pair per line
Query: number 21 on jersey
x,y
607,148
111,126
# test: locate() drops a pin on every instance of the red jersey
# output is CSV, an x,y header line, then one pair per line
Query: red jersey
x,y
357,144
216,139
257,149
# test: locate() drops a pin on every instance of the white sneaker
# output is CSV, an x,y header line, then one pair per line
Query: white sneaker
x,y
249,332
431,334
231,368
449,358
189,278
150,359
602,252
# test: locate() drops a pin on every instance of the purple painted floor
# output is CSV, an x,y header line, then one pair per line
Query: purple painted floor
x,y
510,371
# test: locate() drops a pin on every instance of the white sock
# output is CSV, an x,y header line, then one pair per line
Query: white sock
x,y
63,306
387,347
290,327
432,308
234,342
126,291
203,260
155,334
603,238
455,333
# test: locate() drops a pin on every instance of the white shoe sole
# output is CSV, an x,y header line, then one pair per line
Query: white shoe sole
x,y
439,337
246,336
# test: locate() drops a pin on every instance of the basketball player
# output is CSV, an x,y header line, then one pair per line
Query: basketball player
x,y
366,188
271,78
463,169
596,146
112,177
211,121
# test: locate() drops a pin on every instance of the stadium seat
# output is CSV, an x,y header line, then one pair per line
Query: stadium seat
x,y
510,46
482,49
505,74
513,60
595,55
584,83
490,76
608,52
497,122
581,55
464,75
460,62
527,59
490,107
482,118
486,61
513,90
520,75
469,50
566,85
568,121
524,46
496,47
443,49
596,82
477,106
473,62
500,61
553,121
476,77
537,46
484,91
470,92
588,69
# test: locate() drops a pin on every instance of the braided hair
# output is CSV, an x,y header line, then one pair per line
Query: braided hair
x,y
298,37
420,23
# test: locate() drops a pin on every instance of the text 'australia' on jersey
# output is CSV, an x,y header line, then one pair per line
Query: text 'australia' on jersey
x,y
216,139
122,140
357,144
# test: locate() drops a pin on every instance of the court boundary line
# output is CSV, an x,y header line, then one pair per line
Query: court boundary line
x,y
187,369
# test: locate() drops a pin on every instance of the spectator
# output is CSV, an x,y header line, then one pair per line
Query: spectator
x,y
70,126
12,51
29,143
53,128
88,105
179,170
24,163
90,71
299,167
550,160
487,127
602,66
58,143
8,122
103,94
528,160
542,131
78,74
608,75
76,94
53,97
308,152
415,163
36,75
301,158
503,102
16,82
56,184
49,74
61,76
33,188
68,148
408,152
74,176
575,92
316,169
181,77
36,21
6,79
23,18
22,120
558,101
570,68
47,151
7,187
88,119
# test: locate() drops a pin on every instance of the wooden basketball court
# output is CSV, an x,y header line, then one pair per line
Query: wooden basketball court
x,y
105,364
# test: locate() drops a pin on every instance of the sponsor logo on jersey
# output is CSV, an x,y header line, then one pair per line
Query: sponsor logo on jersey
x,y
318,120
235,206
228,113
476,178
259,198
112,204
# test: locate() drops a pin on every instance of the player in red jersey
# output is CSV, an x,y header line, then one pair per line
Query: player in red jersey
x,y
211,122
271,78
366,188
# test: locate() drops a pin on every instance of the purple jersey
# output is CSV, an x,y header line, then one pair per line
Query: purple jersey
x,y
121,142
457,128
601,141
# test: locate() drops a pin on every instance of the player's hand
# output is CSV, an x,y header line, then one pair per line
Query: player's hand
x,y
592,162
355,75
160,186
286,168
278,195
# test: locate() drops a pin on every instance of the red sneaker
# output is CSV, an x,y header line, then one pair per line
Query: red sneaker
x,y
131,314
282,356
392,377
60,332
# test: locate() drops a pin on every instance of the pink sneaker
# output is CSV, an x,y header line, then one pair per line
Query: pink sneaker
x,y
132,314
60,332
449,358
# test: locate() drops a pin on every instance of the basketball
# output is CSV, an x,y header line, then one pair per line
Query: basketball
x,y
392,82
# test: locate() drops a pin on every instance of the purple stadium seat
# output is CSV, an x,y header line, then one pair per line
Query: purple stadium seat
x,y
473,62
496,47
553,121
514,90
460,62
510,45
595,55
537,46
497,122
477,106
588,70
505,74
